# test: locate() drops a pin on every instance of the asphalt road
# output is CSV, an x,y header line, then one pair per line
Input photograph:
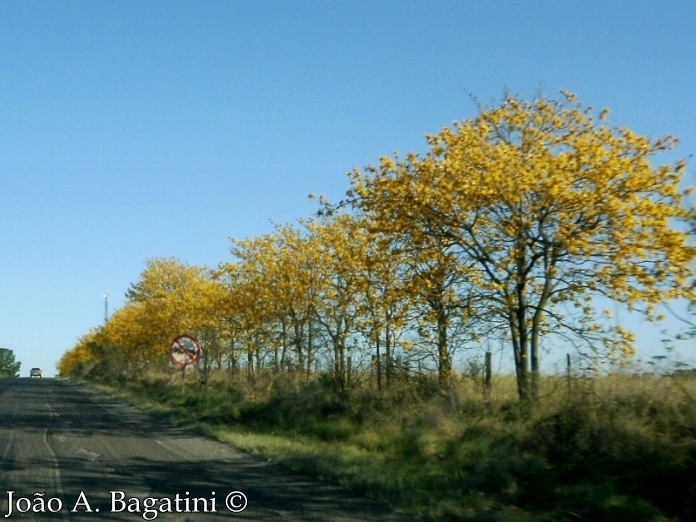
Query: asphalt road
x,y
68,452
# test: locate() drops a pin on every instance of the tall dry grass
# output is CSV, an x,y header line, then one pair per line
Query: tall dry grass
x,y
617,447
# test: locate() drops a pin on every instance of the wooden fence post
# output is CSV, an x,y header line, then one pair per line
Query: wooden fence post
x,y
349,370
487,377
569,376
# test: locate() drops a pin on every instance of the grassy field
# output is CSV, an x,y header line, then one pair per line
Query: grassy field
x,y
615,448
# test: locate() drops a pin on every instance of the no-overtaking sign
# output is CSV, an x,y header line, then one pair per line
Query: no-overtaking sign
x,y
185,350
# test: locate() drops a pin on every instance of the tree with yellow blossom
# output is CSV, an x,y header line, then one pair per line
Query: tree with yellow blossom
x,y
547,206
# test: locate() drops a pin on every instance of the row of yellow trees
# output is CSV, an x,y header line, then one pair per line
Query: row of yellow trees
x,y
508,227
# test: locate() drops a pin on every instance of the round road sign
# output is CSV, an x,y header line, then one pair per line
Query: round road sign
x,y
185,350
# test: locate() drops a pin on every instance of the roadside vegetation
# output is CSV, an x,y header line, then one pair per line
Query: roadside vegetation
x,y
357,344
610,448
8,366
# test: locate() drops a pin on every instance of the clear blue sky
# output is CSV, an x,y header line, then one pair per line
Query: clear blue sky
x,y
131,130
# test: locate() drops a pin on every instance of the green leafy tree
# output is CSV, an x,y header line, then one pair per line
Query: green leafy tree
x,y
8,366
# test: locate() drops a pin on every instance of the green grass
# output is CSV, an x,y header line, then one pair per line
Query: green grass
x,y
617,448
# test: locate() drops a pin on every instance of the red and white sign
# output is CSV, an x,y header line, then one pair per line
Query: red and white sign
x,y
185,351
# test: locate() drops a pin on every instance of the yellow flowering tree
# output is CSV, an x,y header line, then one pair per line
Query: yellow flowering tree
x,y
337,246
546,206
384,303
78,356
172,298
256,300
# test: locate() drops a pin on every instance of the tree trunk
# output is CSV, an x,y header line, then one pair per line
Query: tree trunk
x,y
276,358
388,350
250,366
444,363
310,354
297,325
378,364
519,347
284,336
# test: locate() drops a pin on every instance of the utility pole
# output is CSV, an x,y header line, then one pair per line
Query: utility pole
x,y
106,307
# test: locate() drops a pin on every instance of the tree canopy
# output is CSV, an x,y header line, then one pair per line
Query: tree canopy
x,y
510,226
545,207
8,366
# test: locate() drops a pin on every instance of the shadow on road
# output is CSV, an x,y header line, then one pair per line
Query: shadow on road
x,y
100,445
